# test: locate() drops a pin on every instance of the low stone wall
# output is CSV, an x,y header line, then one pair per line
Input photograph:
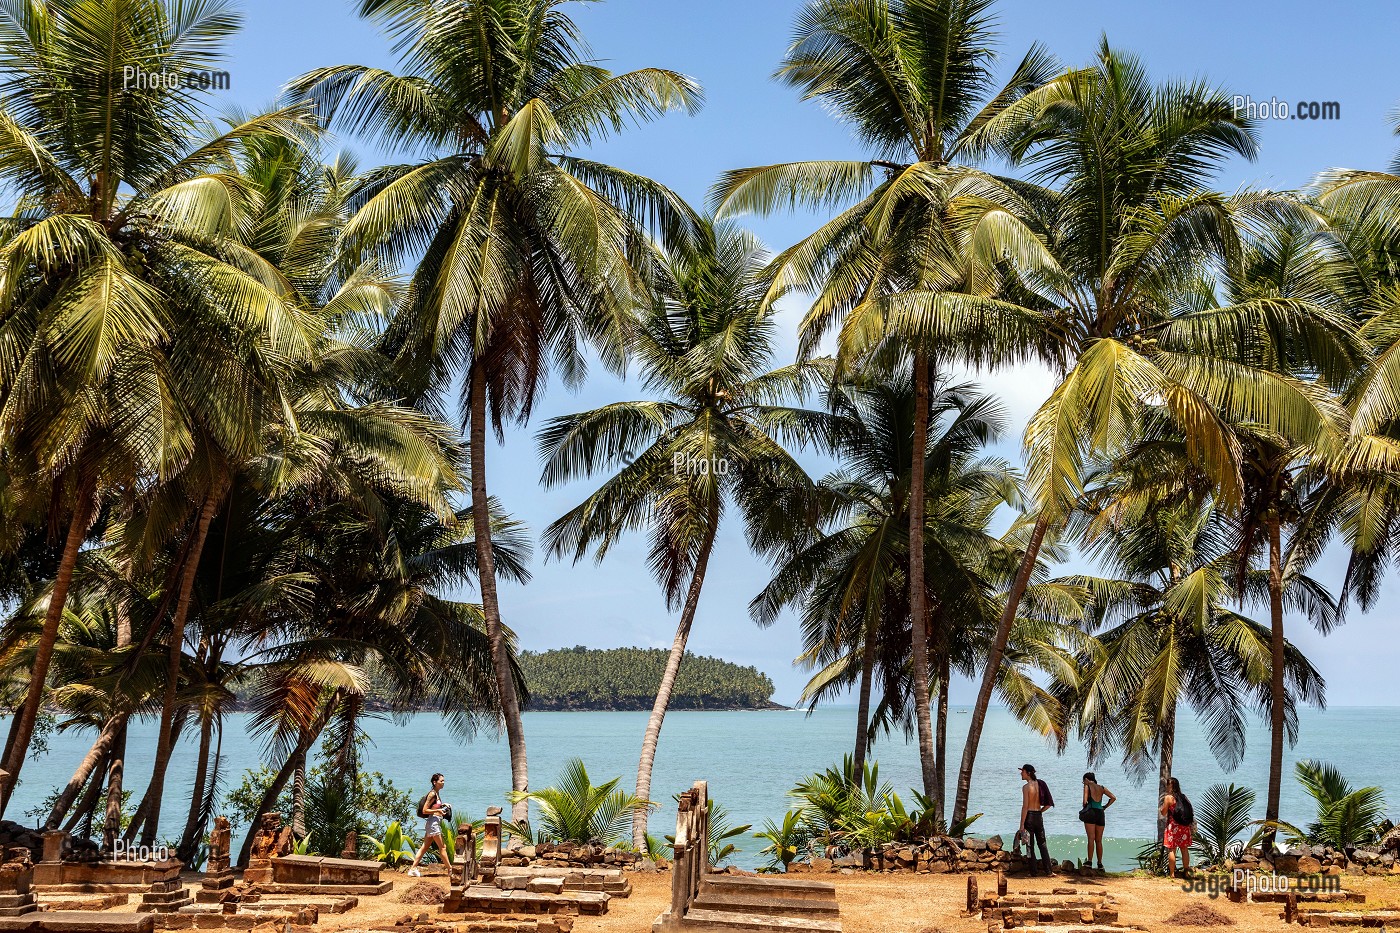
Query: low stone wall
x,y
1320,860
570,855
939,855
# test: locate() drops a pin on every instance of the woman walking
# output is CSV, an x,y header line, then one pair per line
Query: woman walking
x,y
433,810
1097,799
1181,821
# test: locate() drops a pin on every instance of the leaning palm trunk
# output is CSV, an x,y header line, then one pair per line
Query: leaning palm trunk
x,y
23,727
113,815
668,681
867,675
993,668
165,739
299,797
918,603
490,603
81,815
96,755
1276,683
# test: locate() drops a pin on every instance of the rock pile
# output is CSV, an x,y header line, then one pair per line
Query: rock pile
x,y
75,848
1383,859
576,855
938,855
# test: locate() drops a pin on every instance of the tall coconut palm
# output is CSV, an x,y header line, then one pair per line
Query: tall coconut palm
x,y
850,583
912,78
1167,632
523,248
1127,230
122,216
711,440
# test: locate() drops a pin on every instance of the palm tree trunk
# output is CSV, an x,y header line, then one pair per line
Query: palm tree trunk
x,y
918,603
165,738
1164,765
82,813
994,658
867,675
194,820
299,797
17,748
1276,681
115,769
668,677
941,735
490,603
96,755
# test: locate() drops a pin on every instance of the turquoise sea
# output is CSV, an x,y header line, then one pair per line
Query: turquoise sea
x,y
751,759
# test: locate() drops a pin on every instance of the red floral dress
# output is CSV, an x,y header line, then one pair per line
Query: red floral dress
x,y
1176,836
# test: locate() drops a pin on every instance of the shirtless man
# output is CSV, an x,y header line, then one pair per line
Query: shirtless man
x,y
1032,822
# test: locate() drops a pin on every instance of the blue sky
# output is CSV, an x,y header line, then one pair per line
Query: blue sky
x,y
1281,49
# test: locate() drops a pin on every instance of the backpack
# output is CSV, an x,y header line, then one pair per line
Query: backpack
x,y
423,806
1182,812
1046,801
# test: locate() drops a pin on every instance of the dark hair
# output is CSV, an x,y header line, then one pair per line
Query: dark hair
x,y
1089,776
1175,787
434,779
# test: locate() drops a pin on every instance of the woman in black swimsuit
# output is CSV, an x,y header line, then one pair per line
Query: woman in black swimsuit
x,y
1096,800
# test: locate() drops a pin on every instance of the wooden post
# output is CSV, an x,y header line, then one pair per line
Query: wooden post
x,y
1001,883
1290,908
971,894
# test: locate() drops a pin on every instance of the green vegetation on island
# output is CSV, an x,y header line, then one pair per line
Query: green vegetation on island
x,y
626,678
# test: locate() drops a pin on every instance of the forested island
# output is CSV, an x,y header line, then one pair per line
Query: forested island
x,y
582,678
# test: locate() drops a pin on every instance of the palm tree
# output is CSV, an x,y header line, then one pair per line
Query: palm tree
x,y
122,216
1126,236
713,439
1166,633
523,248
912,78
850,583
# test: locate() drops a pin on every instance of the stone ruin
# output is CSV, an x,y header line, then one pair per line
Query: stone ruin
x,y
16,878
271,840
274,868
218,875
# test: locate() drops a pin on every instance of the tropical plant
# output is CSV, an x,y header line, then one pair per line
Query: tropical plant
x,y
713,439
1222,814
721,831
1346,816
394,847
577,810
785,840
523,247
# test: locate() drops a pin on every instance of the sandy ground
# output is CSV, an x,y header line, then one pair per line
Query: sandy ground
x,y
909,903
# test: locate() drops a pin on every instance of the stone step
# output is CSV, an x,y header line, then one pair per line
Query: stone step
x,y
78,921
608,880
767,886
1304,897
83,901
1350,918
488,899
328,890
710,899
728,921
1025,916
